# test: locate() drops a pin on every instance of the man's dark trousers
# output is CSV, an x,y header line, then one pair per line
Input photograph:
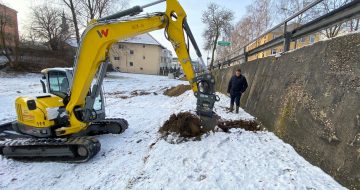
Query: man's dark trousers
x,y
235,98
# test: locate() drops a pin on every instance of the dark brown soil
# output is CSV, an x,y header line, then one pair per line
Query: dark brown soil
x,y
116,93
139,93
184,124
243,124
188,125
177,90
120,94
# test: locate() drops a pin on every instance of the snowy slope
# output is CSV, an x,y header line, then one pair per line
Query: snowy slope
x,y
139,159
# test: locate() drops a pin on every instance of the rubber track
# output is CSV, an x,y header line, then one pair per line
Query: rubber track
x,y
91,144
122,122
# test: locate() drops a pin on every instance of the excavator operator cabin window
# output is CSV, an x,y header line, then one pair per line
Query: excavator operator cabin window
x,y
58,82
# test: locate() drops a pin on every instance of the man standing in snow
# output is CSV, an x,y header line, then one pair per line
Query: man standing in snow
x,y
237,86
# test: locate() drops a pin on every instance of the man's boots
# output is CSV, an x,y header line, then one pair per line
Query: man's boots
x,y
237,109
231,108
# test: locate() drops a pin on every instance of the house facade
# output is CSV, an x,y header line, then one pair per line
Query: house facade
x,y
299,43
9,23
140,54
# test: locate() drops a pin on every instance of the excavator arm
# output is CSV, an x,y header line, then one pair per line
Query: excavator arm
x,y
93,52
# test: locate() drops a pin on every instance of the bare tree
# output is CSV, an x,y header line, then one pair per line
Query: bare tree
x,y
286,8
73,6
328,6
257,20
243,33
353,24
49,25
83,11
218,22
94,9
260,14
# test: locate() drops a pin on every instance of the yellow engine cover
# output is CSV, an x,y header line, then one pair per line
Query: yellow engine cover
x,y
39,117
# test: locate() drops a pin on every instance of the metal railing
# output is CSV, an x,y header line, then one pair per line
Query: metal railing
x,y
336,16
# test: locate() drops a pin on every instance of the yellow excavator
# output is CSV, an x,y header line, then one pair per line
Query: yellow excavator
x,y
59,124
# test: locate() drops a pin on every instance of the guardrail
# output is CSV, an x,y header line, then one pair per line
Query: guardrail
x,y
339,15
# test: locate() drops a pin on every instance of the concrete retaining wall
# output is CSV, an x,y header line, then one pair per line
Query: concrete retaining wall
x,y
310,98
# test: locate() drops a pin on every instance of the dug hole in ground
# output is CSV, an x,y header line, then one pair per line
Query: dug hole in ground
x,y
141,158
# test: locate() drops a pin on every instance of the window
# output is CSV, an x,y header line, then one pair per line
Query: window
x,y
97,103
116,58
131,51
143,45
58,82
121,46
143,57
273,51
131,64
141,68
312,39
303,39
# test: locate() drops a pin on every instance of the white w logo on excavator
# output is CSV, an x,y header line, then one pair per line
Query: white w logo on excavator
x,y
103,33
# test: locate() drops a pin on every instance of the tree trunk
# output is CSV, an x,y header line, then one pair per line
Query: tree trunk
x,y
73,12
213,51
356,25
15,63
91,10
333,31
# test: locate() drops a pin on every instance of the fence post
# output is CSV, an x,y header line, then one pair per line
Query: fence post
x,y
287,38
245,55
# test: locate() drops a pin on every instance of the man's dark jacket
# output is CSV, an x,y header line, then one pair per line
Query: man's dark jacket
x,y
237,85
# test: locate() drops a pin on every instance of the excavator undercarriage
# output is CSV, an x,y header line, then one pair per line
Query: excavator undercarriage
x,y
79,147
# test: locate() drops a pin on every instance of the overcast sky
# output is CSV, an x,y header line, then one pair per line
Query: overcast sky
x,y
193,8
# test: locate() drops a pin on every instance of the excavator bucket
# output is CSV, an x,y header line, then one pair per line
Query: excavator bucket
x,y
208,123
206,99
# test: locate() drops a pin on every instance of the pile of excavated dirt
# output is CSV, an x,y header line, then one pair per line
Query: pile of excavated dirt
x,y
177,90
243,124
184,124
187,126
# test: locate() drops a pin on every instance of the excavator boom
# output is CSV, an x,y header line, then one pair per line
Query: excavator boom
x,y
104,32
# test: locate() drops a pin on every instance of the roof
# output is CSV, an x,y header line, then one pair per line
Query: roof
x,y
65,69
145,38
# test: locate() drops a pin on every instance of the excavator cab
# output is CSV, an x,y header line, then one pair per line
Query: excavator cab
x,y
57,81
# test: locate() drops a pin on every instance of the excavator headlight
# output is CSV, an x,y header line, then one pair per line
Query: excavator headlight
x,y
31,104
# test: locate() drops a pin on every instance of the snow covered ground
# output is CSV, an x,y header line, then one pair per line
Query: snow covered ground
x,y
139,159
